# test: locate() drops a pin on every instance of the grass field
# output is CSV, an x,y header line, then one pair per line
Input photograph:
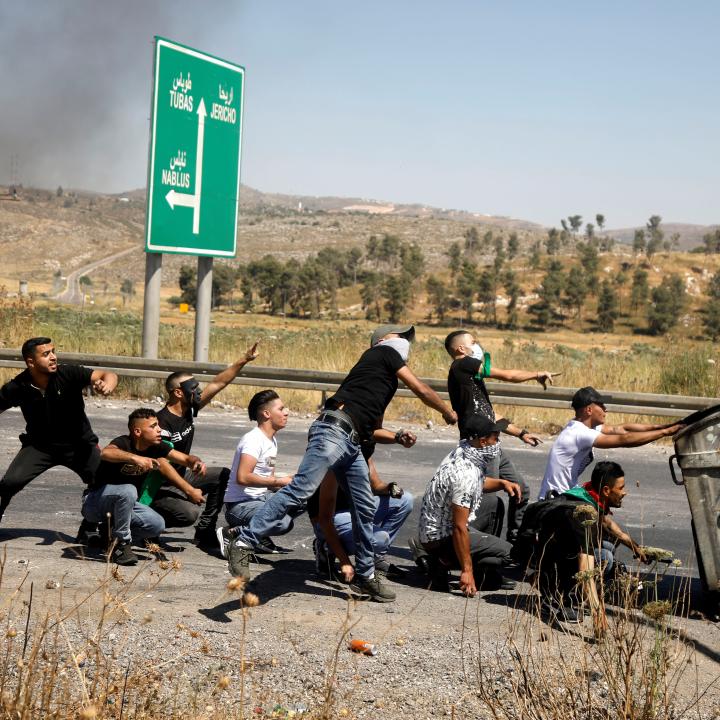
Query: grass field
x,y
670,365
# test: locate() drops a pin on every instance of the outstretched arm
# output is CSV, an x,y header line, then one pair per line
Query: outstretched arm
x,y
426,394
634,439
544,377
103,381
226,376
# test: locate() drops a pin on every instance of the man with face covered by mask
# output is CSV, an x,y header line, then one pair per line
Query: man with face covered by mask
x,y
469,396
334,443
185,399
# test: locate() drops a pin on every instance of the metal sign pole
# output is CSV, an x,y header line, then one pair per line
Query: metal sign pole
x,y
202,308
151,305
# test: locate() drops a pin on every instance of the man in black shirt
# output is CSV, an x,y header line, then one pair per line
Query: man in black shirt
x,y
349,417
57,429
125,465
185,400
469,396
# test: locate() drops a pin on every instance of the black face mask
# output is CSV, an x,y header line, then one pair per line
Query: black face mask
x,y
192,393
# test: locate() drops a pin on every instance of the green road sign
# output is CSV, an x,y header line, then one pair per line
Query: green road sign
x,y
195,144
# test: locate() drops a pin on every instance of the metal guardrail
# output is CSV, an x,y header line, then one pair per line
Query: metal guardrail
x,y
325,381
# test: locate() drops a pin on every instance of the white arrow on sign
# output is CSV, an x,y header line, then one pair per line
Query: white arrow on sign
x,y
193,200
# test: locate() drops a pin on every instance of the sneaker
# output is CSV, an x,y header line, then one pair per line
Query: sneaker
x,y
553,611
223,538
122,554
419,554
239,559
92,535
268,547
386,569
205,539
372,588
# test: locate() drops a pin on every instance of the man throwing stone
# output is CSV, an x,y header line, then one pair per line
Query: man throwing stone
x,y
466,385
572,451
334,440
185,400
57,432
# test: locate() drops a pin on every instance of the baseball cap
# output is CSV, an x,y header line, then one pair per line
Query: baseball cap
x,y
587,396
406,331
479,426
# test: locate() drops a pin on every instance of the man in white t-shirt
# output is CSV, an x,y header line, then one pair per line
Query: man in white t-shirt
x,y
252,475
572,451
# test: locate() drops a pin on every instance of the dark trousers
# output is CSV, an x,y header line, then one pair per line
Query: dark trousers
x,y
178,511
486,547
502,467
31,461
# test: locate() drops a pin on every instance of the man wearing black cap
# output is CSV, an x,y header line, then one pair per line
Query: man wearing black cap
x,y
349,417
572,451
450,505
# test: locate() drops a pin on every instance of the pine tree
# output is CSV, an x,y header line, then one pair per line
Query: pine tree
x,y
607,308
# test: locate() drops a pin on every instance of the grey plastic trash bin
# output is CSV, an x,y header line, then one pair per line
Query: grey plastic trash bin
x,y
697,453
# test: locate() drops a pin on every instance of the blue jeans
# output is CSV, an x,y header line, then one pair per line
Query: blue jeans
x,y
390,514
605,557
329,448
131,520
241,513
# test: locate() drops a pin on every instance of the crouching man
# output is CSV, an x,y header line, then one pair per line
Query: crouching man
x,y
124,467
450,505
569,538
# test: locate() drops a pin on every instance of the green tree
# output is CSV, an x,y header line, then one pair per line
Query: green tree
x,y
454,253
371,294
513,246
576,290
535,258
389,250
412,260
127,290
666,304
639,290
589,231
549,293
607,311
655,235
467,286
600,221
472,241
513,291
85,280
575,223
438,296
590,262
711,319
397,296
639,241
711,242
552,243
486,294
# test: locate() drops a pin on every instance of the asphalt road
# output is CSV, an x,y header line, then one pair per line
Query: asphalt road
x,y
655,510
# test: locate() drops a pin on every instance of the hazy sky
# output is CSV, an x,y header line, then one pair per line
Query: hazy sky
x,y
530,109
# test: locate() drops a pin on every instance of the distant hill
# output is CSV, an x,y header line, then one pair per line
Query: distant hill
x,y
256,200
690,235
